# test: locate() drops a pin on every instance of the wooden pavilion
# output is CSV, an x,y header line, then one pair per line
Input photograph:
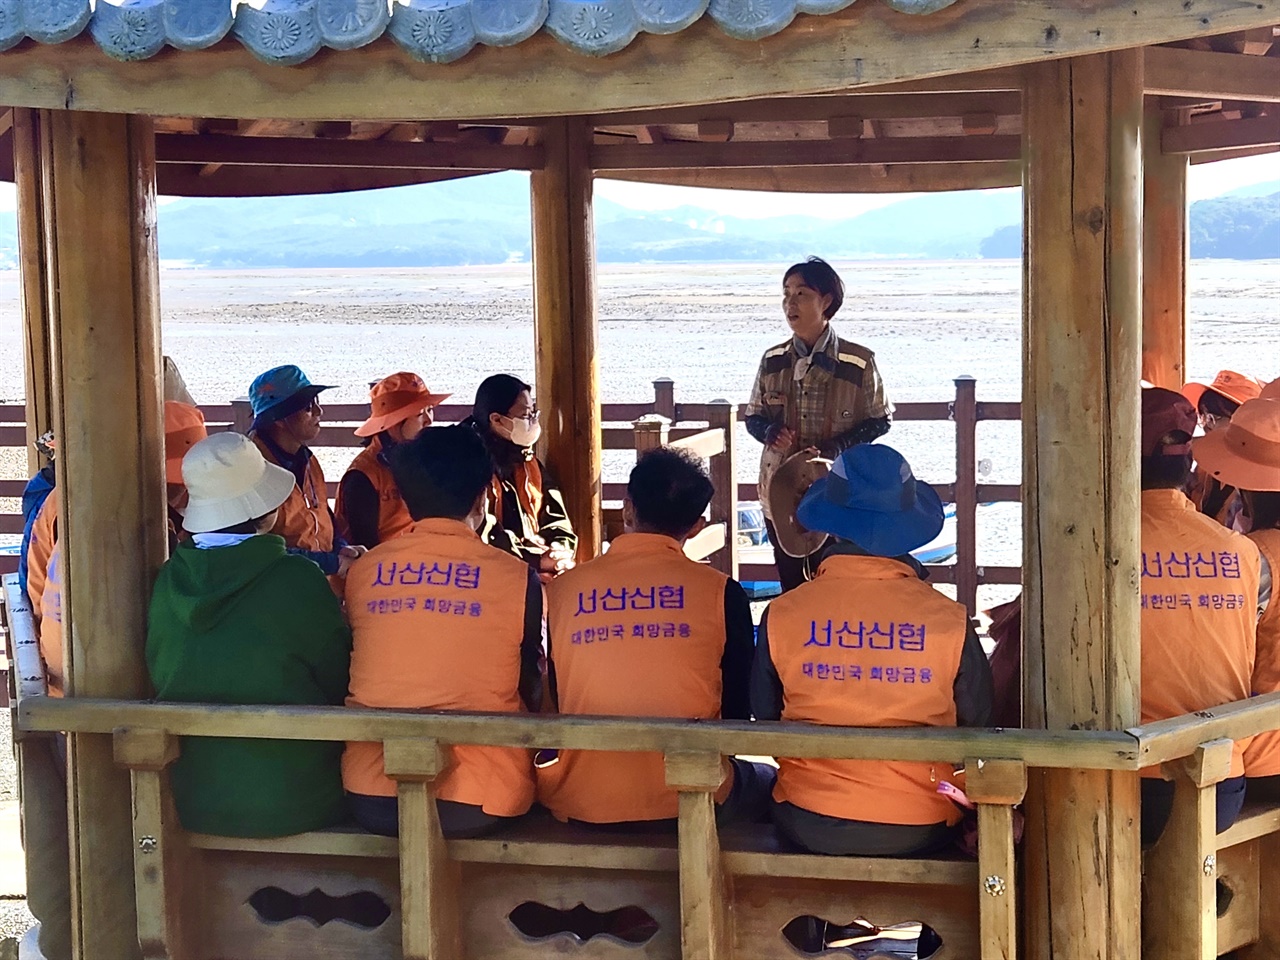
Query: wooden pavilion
x,y
1095,106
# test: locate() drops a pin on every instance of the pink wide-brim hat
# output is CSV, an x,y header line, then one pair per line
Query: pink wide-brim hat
x,y
1244,454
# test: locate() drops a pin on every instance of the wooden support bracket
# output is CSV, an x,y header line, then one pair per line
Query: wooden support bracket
x,y
704,919
429,882
996,785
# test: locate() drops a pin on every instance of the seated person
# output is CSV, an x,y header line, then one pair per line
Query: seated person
x,y
442,621
183,429
1215,403
1246,456
34,495
370,508
868,643
526,513
1199,603
236,619
643,631
286,417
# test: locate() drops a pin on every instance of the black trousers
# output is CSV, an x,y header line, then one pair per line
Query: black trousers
x,y
792,571
457,820
819,833
1157,804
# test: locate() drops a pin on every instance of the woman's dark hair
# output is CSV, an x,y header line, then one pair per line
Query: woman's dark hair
x,y
821,276
441,472
1216,405
1264,509
498,394
1166,471
669,489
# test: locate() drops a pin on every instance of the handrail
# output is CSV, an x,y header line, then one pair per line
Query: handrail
x,y
1093,750
1165,740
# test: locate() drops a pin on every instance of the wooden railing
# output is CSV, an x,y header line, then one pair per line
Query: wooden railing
x,y
709,430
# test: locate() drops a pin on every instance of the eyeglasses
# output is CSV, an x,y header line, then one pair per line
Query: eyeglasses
x,y
530,417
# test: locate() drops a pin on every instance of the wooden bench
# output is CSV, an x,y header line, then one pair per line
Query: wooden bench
x,y
712,896
1184,916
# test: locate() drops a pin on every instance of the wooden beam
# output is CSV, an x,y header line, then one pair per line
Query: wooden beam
x,y
980,124
846,128
868,44
715,131
33,239
565,326
100,186
1217,156
1165,253
650,133
1081,344
250,129
1175,72
1216,135
1255,43
303,152
806,153
898,178
183,180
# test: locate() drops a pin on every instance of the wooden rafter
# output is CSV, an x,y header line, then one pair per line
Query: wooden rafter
x,y
806,153
1174,72
890,178
250,129
1220,135
301,152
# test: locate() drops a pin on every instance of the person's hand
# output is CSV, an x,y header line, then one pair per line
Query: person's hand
x,y
349,555
784,439
554,562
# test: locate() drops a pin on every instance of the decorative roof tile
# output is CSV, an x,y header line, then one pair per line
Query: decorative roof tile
x,y
288,32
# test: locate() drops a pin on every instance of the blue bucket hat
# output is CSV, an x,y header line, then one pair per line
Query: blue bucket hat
x,y
281,392
872,499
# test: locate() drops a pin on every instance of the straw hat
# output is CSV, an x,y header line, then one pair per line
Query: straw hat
x,y
1271,391
229,482
790,483
183,429
1244,454
1236,387
872,499
395,399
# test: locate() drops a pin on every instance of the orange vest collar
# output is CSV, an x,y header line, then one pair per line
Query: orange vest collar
x,y
1166,501
855,567
442,526
630,544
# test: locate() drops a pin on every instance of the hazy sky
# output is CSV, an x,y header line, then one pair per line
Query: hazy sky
x,y
1207,180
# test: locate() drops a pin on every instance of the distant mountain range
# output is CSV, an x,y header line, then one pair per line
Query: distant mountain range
x,y
485,220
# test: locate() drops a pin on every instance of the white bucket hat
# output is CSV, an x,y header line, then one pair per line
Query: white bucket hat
x,y
229,482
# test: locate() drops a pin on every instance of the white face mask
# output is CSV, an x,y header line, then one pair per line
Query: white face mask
x,y
522,432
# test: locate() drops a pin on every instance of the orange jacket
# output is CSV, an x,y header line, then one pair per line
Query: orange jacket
x,y
304,519
43,536
638,632
1199,612
52,650
1262,756
866,643
393,515
438,622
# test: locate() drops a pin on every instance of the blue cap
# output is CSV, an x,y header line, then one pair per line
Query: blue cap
x,y
872,499
271,392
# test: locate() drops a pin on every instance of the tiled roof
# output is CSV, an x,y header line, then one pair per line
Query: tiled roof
x,y
291,31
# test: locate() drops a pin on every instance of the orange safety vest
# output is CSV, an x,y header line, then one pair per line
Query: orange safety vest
x,y
40,549
393,515
51,639
1199,612
1262,756
867,643
638,632
437,619
304,519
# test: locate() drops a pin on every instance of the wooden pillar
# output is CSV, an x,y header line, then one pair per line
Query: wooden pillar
x,y
1081,341
32,240
99,185
564,317
1165,252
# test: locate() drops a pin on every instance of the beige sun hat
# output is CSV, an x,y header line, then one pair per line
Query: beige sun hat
x,y
1245,454
229,482
787,488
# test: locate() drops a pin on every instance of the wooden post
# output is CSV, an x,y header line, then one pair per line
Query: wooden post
x,y
664,397
651,431
32,240
1082,335
724,474
965,413
99,187
241,415
1165,251
704,933
564,318
995,786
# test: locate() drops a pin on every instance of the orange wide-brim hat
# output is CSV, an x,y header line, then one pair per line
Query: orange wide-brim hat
x,y
1236,387
395,399
183,429
1244,454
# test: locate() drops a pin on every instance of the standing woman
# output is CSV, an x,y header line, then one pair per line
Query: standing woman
x,y
813,392
527,514
370,509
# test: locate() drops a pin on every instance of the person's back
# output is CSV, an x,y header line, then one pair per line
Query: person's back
x,y
234,619
1199,603
643,631
868,643
443,621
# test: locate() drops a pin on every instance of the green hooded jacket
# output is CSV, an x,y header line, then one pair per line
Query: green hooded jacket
x,y
250,624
